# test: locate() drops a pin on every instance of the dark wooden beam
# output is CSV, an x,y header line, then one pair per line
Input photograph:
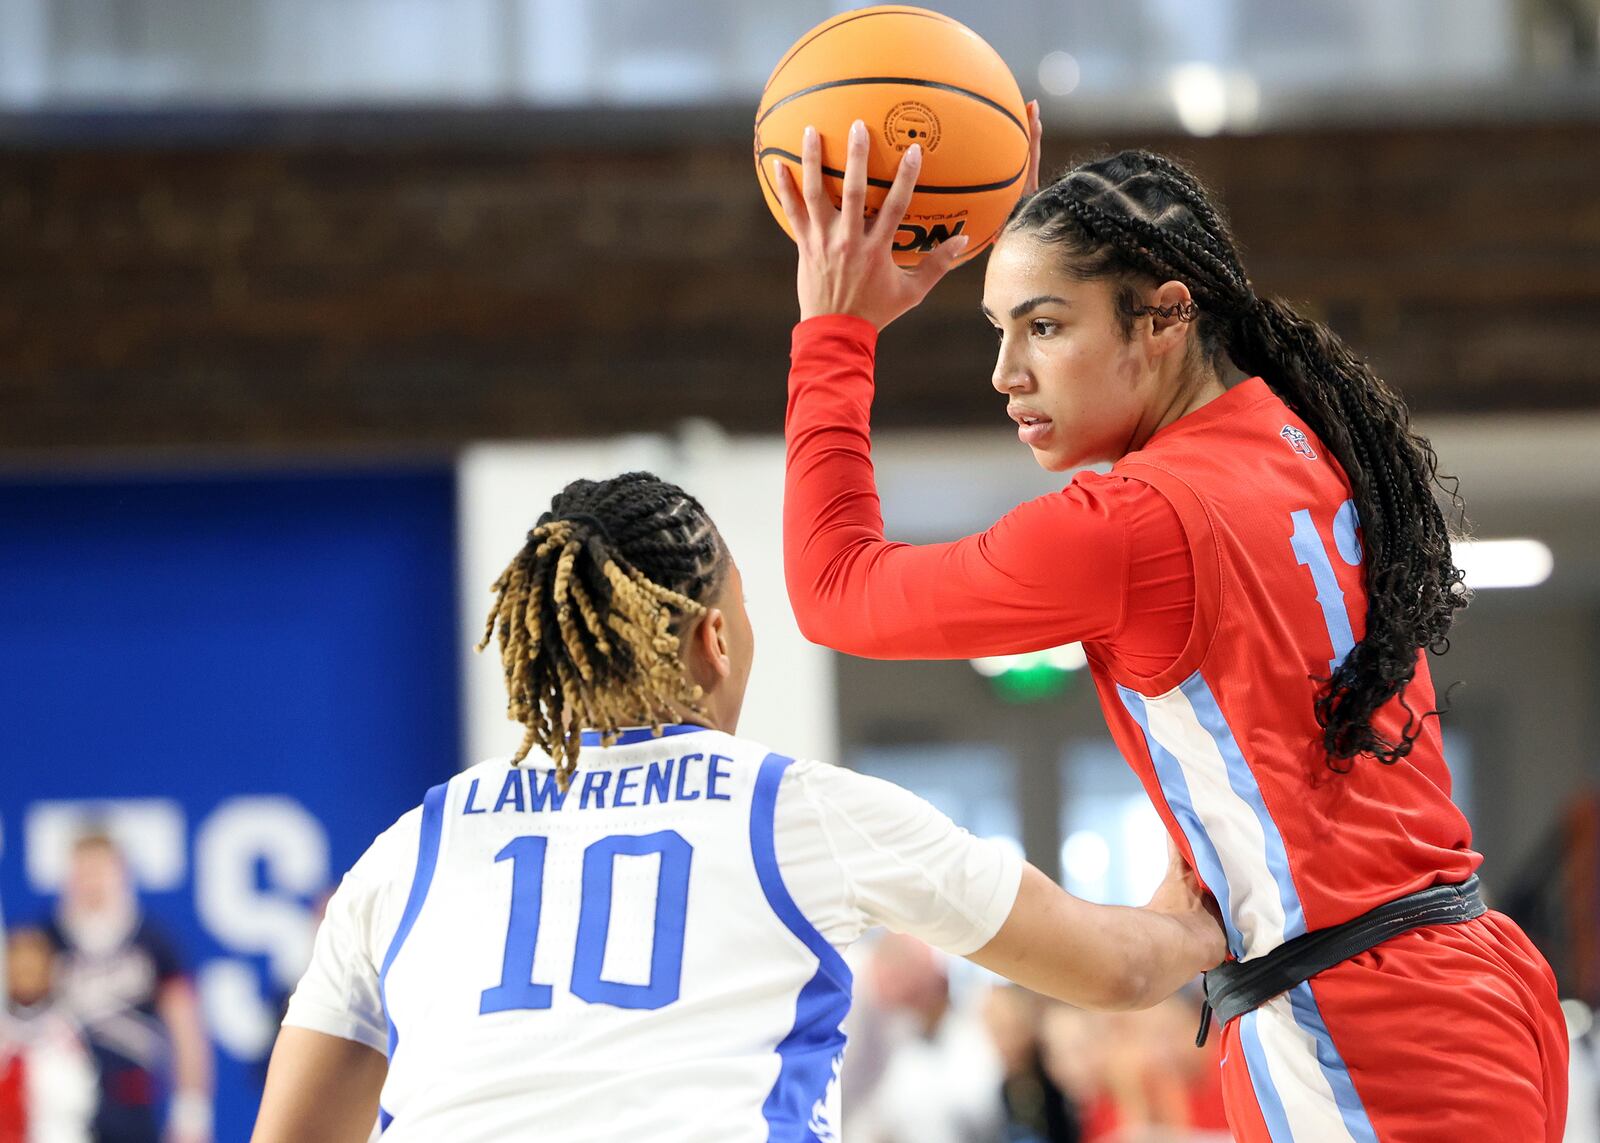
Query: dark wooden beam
x,y
516,276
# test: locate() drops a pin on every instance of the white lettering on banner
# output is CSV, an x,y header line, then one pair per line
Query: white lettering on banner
x,y
243,1021
293,847
150,832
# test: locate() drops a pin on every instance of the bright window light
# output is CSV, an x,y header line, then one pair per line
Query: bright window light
x,y
1059,73
1086,857
1068,658
1503,563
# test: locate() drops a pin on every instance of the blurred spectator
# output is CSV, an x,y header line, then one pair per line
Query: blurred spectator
x,y
48,1088
1075,1052
1583,1113
123,981
941,1079
1136,1077
1033,1109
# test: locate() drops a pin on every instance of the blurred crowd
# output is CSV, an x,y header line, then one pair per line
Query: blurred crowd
x,y
101,1039
101,1036
937,1061
941,1052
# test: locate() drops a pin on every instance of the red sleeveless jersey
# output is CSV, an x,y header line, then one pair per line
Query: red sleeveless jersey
x,y
1226,740
1260,547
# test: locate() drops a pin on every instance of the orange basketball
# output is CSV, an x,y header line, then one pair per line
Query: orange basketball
x,y
913,76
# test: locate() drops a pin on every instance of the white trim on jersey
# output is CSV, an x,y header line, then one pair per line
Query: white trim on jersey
x,y
1214,796
1301,1083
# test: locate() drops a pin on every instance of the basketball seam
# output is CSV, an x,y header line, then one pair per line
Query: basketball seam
x,y
920,188
908,81
794,51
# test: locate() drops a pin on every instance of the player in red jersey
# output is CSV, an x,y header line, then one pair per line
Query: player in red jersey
x,y
1255,581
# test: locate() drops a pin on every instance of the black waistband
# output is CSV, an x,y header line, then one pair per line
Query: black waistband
x,y
1239,986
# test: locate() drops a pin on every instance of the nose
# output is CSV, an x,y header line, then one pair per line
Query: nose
x,y
1010,374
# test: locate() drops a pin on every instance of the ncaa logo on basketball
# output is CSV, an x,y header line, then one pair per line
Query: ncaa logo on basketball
x,y
909,123
1297,441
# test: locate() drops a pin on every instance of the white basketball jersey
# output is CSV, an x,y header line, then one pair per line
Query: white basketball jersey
x,y
627,959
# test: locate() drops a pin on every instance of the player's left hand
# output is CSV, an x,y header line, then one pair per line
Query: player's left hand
x,y
846,262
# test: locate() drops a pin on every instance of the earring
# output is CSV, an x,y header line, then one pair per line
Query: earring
x,y
1183,311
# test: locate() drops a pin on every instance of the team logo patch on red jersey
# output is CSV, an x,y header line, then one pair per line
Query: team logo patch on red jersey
x,y
1297,441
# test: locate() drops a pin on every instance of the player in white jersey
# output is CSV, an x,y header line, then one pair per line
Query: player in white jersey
x,y
649,947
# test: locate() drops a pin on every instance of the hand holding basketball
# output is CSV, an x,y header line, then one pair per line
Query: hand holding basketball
x,y
846,264
1030,181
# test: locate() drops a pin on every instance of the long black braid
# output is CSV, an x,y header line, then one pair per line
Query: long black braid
x,y
1137,217
590,612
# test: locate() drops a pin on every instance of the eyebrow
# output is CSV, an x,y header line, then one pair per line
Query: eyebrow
x,y
1023,307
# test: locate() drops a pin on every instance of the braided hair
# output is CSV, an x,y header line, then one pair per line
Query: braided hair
x,y
1137,217
590,612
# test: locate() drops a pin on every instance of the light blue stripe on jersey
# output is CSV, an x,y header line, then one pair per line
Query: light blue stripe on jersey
x,y
1306,1014
427,860
1175,787
641,734
809,1053
1267,1097
1243,781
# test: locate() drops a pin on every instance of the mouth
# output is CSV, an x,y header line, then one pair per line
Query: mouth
x,y
1032,427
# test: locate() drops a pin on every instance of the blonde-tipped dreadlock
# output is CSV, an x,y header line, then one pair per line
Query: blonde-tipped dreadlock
x,y
588,613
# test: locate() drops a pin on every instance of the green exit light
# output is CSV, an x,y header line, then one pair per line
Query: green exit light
x,y
1034,676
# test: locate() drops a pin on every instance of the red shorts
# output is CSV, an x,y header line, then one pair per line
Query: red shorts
x,y
1442,1034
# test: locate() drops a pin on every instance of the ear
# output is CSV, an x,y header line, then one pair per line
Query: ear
x,y
710,641
1171,319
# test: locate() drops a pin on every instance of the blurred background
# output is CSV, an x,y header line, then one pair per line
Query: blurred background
x,y
307,306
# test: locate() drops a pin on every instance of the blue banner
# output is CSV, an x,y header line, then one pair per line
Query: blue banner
x,y
244,680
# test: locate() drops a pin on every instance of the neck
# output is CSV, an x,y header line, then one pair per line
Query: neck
x,y
680,716
1190,391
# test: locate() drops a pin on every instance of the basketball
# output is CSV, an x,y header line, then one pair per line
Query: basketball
x,y
912,76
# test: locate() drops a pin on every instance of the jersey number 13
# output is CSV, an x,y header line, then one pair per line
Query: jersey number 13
x,y
1310,552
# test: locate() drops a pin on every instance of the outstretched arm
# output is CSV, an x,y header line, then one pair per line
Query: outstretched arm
x,y
896,861
1107,956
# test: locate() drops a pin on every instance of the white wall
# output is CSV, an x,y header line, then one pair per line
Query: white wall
x,y
504,488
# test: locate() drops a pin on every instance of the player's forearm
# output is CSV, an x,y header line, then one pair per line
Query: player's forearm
x,y
1136,958
1106,957
830,505
1166,952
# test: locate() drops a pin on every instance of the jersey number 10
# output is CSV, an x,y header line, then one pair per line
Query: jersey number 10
x,y
517,990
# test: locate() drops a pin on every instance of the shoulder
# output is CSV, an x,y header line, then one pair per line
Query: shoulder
x,y
897,860
1120,501
1131,492
851,810
393,853
748,750
839,786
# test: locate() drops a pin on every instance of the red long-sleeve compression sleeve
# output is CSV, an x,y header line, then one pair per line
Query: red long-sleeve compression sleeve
x,y
1103,560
